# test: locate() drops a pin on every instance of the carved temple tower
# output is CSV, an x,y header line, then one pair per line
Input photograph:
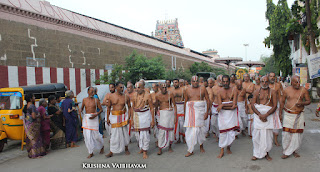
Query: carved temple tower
x,y
168,31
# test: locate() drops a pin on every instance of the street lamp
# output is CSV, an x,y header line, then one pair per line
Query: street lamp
x,y
246,45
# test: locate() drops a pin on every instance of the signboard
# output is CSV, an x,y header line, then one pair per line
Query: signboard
x,y
240,73
303,73
314,66
108,67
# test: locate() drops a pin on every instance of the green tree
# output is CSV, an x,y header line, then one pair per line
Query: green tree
x,y
269,65
140,67
205,67
278,17
180,74
116,75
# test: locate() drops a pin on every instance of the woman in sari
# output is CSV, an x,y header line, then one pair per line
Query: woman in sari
x,y
45,123
58,140
32,124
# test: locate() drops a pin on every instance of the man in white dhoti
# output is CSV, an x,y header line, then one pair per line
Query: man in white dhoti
x,y
90,124
143,118
211,99
178,92
277,87
292,105
214,118
228,117
118,120
130,93
197,107
266,118
242,103
105,102
167,118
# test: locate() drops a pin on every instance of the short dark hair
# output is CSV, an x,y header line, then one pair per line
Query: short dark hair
x,y
51,97
233,75
250,96
176,79
168,80
89,88
118,83
57,96
28,97
112,84
226,76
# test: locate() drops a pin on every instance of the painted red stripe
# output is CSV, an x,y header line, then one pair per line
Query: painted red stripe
x,y
22,75
53,75
39,76
4,76
88,77
66,78
78,81
97,75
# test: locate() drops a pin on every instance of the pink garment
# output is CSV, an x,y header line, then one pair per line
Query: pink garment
x,y
45,126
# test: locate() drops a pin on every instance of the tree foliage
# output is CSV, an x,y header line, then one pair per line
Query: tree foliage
x,y
116,75
278,17
205,67
141,67
180,74
269,65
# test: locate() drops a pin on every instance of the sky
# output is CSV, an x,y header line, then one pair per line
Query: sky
x,y
223,25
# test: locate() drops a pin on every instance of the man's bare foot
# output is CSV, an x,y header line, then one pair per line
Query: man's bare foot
x,y
109,155
296,155
221,154
179,141
202,149
159,152
73,145
91,155
170,150
284,156
207,135
217,139
236,136
127,150
229,150
102,150
189,154
276,143
184,140
145,155
268,157
254,158
140,152
156,143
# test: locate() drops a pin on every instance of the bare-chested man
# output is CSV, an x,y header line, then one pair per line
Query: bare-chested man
x,y
130,93
293,101
233,80
211,98
214,118
196,112
168,116
264,105
257,85
90,124
227,119
144,84
155,89
118,120
247,84
277,87
168,83
143,118
181,83
105,102
201,81
179,101
242,104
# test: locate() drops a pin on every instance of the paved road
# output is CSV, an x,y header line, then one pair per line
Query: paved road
x,y
13,159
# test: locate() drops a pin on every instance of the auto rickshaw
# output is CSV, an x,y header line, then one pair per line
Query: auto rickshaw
x,y
11,106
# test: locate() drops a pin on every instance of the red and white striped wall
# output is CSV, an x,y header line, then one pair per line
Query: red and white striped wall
x,y
74,78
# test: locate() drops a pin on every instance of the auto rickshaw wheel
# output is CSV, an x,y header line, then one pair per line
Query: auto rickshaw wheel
x,y
2,142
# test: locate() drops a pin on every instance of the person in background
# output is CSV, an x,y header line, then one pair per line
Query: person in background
x,y
101,119
70,119
58,140
45,123
58,100
32,124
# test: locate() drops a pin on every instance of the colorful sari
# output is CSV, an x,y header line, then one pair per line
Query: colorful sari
x,y
34,143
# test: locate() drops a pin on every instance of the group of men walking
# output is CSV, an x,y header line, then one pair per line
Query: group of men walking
x,y
226,107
